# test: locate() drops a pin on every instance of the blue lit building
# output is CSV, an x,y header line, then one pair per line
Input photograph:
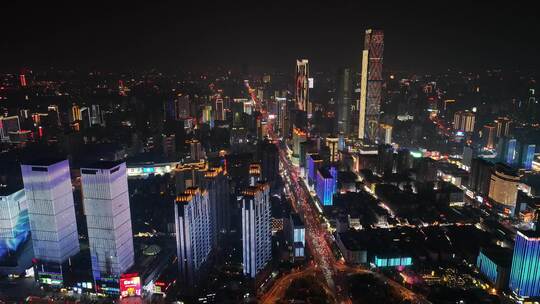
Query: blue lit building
x,y
525,273
326,185
392,261
527,156
15,246
314,162
507,150
494,264
510,155
516,153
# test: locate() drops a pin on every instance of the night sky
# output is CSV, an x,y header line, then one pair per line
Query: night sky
x,y
420,36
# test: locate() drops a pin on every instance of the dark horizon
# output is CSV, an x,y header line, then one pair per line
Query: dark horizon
x,y
173,36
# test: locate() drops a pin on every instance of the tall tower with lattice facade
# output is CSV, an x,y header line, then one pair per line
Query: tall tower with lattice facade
x,y
371,84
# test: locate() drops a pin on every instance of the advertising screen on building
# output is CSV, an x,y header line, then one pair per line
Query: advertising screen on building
x,y
130,285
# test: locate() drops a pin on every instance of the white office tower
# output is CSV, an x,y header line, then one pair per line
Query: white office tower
x,y
256,228
108,217
49,193
193,233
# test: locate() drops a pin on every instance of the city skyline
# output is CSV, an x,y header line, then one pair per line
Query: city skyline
x,y
230,152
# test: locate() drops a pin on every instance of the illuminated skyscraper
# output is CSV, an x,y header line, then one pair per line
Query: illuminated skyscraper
x,y
502,125
237,109
527,156
314,162
207,116
508,150
75,114
193,232
488,136
281,104
344,101
182,107
7,125
524,276
220,109
464,121
302,85
332,144
195,149
256,229
108,217
216,184
298,237
49,193
326,185
15,245
299,136
385,133
22,80
95,115
371,85
255,174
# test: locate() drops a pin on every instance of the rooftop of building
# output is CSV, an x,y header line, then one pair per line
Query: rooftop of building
x,y
325,173
252,190
102,165
48,161
315,157
530,234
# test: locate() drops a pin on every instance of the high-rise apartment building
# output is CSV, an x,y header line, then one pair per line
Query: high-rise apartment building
x,y
195,149
216,184
256,229
281,116
464,121
488,136
219,109
502,125
193,233
332,144
385,133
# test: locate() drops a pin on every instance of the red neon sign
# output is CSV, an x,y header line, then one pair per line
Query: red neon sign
x,y
130,285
